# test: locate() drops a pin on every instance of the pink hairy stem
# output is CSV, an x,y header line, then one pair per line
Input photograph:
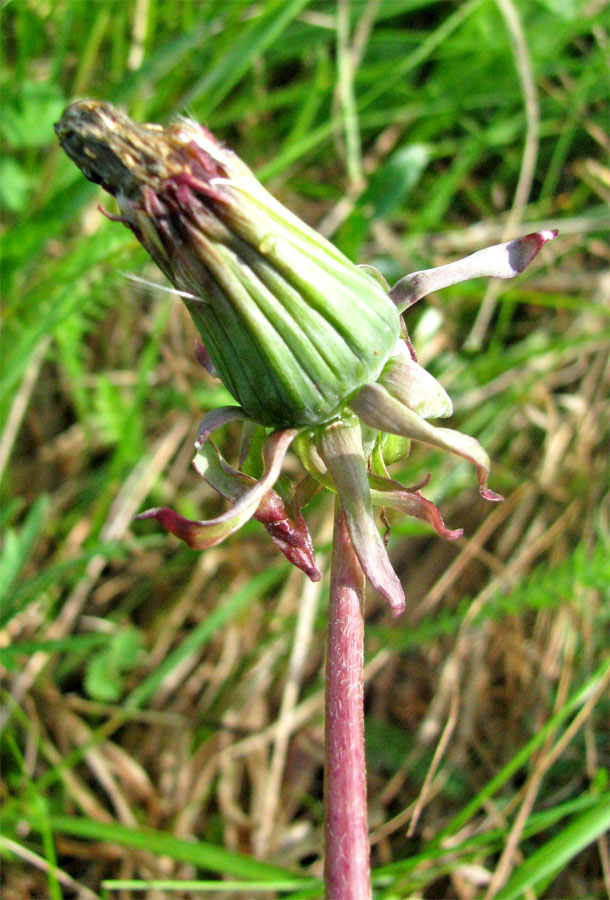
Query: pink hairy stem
x,y
347,855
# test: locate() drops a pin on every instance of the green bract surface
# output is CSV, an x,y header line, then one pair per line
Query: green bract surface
x,y
292,327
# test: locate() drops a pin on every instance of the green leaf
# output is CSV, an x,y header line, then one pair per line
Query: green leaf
x,y
101,682
28,117
104,676
15,185
393,182
567,9
17,550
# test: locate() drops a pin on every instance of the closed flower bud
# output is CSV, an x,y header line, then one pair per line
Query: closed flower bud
x,y
308,343
292,327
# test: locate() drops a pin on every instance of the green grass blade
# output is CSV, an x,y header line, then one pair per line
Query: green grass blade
x,y
18,547
521,758
213,87
219,887
200,636
74,644
557,852
161,843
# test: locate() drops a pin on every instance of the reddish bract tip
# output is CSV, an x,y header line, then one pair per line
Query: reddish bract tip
x,y
490,495
523,250
203,357
289,533
187,530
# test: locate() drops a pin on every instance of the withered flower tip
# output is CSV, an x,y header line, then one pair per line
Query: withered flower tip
x,y
309,344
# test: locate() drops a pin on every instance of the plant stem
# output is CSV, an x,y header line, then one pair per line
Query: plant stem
x,y
346,861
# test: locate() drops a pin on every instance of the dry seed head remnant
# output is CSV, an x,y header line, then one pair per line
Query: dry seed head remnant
x,y
311,346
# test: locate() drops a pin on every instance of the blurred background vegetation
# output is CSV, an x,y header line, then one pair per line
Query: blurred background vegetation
x,y
162,709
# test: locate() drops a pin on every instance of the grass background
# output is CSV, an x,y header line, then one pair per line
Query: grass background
x,y
162,709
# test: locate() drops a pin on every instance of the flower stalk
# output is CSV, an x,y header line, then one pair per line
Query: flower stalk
x,y
315,352
346,838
